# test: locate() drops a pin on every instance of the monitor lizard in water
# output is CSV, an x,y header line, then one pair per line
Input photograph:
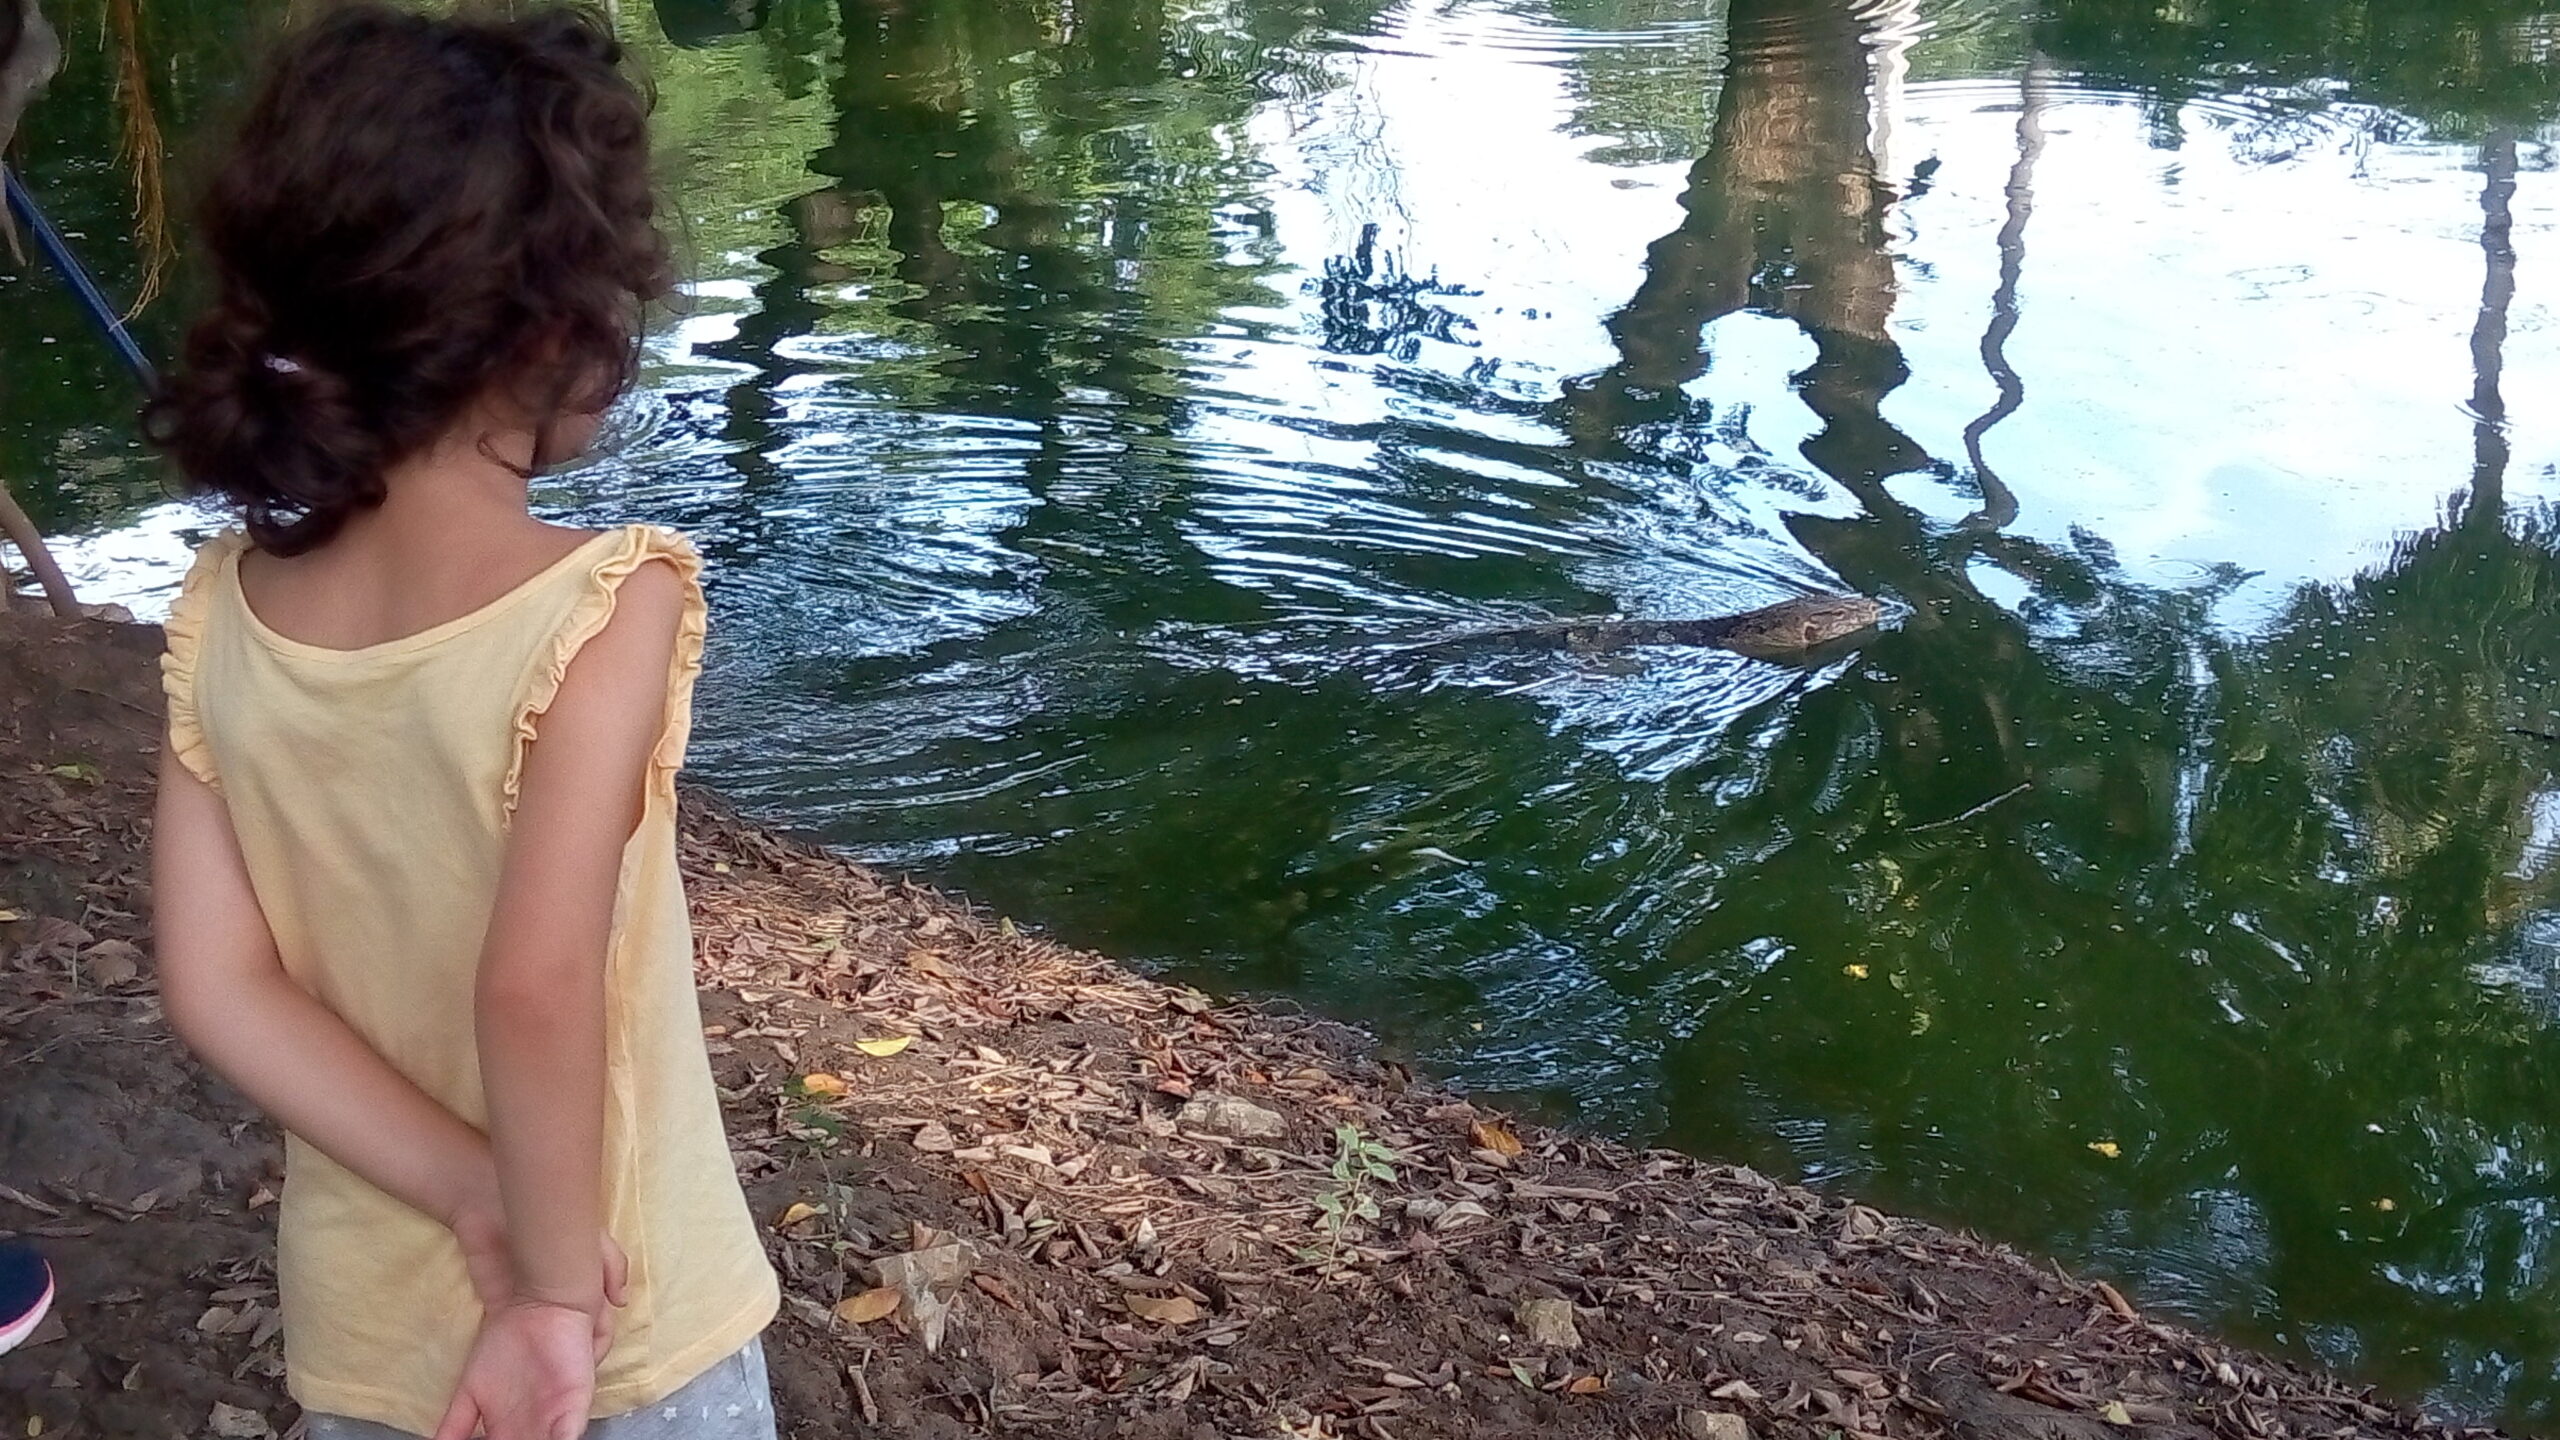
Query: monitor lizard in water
x,y
1787,630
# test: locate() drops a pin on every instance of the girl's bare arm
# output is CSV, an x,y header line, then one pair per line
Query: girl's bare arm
x,y
229,998
541,1000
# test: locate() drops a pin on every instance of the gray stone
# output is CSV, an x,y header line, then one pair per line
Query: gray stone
x,y
1549,1322
1714,1425
234,1423
1227,1115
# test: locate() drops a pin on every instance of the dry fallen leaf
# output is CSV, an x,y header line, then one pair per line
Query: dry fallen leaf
x,y
882,1049
2116,1414
800,1210
1163,1309
927,1280
1465,1212
819,1082
1586,1385
1495,1136
1865,1382
868,1306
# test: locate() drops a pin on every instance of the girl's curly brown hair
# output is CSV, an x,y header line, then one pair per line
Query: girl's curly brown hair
x,y
415,212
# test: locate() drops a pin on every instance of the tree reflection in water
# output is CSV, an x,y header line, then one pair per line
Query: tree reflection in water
x,y
2290,893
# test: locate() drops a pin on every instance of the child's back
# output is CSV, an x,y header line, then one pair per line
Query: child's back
x,y
371,791
417,857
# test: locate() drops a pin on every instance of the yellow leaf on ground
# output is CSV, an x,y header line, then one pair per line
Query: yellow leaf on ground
x,y
1163,1309
1495,1136
1854,972
800,1210
819,1082
884,1048
2116,1414
2107,1148
868,1306
1586,1385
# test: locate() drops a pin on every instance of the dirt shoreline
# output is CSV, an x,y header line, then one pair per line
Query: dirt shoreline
x,y
1108,1193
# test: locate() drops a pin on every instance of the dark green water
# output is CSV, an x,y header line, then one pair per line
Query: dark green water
x,y
1087,408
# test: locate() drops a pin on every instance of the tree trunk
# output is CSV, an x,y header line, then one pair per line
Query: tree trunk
x,y
21,532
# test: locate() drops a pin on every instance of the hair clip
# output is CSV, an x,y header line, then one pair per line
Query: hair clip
x,y
281,365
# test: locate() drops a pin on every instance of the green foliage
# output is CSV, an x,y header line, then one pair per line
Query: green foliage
x,y
1347,1203
2464,67
1654,100
733,139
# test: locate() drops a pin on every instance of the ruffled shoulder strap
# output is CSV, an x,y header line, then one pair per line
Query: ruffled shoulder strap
x,y
599,586
185,629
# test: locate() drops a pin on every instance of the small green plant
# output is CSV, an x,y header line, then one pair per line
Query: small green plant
x,y
806,1118
1358,1162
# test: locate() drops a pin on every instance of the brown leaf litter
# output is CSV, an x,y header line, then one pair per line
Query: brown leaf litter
x,y
1074,1203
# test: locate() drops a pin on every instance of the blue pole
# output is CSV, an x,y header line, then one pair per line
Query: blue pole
x,y
83,289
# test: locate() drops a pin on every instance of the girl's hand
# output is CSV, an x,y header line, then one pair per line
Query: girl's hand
x,y
531,1375
481,1230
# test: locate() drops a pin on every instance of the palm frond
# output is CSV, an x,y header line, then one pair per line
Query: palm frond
x,y
143,151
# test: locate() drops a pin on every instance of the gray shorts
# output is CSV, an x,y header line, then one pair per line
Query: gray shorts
x,y
729,1401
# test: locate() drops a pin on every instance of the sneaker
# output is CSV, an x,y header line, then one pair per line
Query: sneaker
x,y
26,1293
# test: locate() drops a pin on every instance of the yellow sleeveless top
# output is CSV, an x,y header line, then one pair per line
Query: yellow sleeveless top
x,y
371,790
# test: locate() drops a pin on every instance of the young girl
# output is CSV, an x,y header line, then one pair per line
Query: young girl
x,y
415,863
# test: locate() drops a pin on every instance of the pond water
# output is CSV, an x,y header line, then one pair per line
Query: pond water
x,y
1092,411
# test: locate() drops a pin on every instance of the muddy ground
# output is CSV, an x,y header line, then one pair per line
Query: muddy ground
x,y
1117,1206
